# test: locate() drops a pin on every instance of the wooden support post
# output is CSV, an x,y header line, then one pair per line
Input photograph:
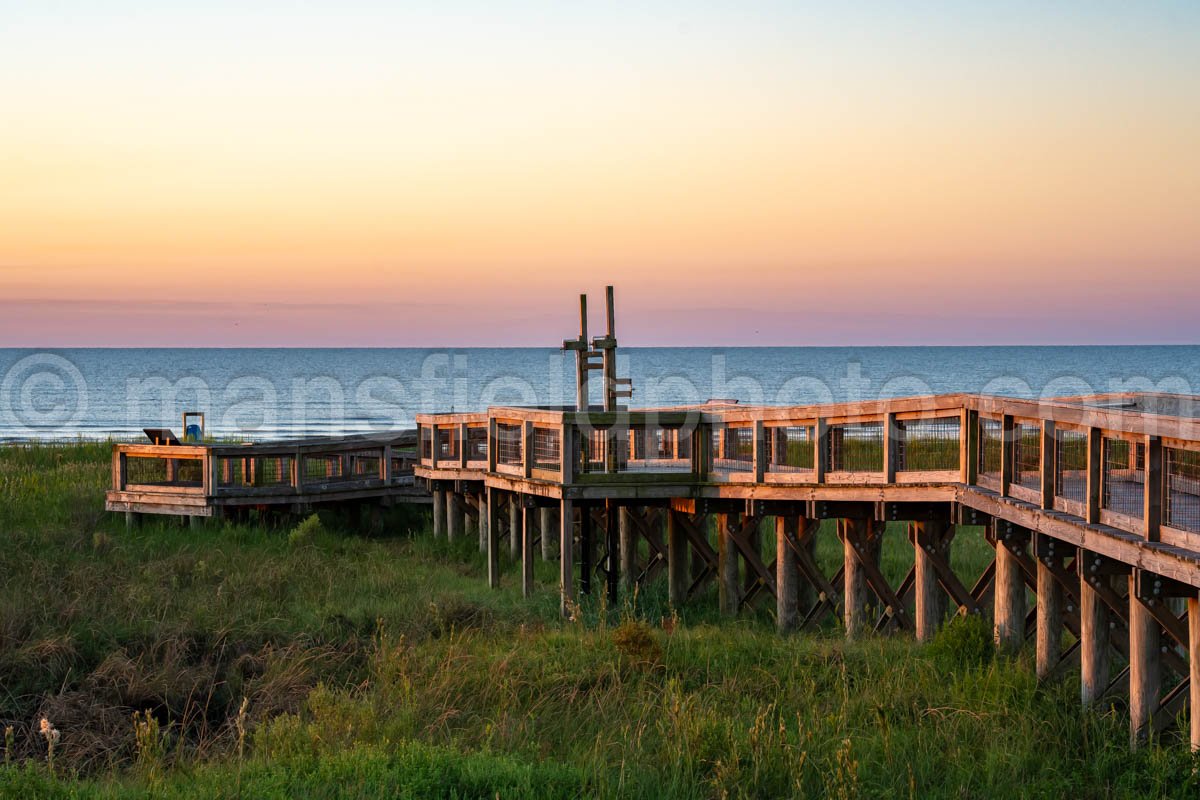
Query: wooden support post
x,y
493,537
1049,620
585,549
1094,634
1145,668
549,530
515,526
1009,614
1153,486
439,513
727,560
481,521
527,534
132,520
929,543
677,560
787,573
455,515
1193,606
1008,428
566,557
1048,464
858,595
612,559
628,546
1095,471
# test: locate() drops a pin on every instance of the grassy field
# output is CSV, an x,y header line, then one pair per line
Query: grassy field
x,y
336,660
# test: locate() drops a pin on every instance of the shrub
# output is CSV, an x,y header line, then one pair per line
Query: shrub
x,y
965,642
304,533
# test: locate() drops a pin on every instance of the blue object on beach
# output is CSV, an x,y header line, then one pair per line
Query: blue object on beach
x,y
192,434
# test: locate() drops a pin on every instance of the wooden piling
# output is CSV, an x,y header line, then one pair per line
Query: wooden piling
x,y
586,550
677,560
787,573
1049,620
628,547
1009,609
454,516
1145,672
547,525
493,537
857,588
1193,605
515,526
527,535
612,559
727,566
566,557
930,599
1094,637
439,513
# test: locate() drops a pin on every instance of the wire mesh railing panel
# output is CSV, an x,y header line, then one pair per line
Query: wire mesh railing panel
x,y
590,444
790,448
477,444
508,444
1181,482
856,447
1123,483
1027,455
425,442
364,465
1071,465
991,447
656,448
447,444
736,451
547,448
928,444
156,471
322,468
272,471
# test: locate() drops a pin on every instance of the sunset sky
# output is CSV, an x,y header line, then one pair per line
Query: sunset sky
x,y
452,173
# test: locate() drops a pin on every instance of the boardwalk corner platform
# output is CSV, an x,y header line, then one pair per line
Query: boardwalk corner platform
x,y
1091,506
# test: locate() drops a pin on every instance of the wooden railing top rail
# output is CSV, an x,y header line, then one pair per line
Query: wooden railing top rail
x,y
1087,412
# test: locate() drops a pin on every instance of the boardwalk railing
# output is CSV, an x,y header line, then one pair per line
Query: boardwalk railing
x,y
1096,459
194,480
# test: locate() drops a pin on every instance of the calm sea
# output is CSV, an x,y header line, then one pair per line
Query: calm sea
x,y
268,393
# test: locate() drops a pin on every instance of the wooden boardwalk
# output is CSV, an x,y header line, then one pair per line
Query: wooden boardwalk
x,y
1091,506
205,480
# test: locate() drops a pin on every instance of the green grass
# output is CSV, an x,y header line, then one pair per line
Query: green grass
x,y
345,657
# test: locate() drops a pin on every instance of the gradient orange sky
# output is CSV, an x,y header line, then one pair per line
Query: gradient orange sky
x,y
454,174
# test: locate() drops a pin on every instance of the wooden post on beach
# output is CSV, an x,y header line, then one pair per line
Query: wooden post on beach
x,y
929,543
1145,669
455,516
1009,611
566,557
439,512
547,525
628,547
515,526
493,536
787,573
1093,639
527,534
729,592
859,541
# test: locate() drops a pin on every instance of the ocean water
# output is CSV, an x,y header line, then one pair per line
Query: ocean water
x,y
260,394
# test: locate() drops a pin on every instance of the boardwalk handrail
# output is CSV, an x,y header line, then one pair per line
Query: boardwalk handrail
x,y
876,443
